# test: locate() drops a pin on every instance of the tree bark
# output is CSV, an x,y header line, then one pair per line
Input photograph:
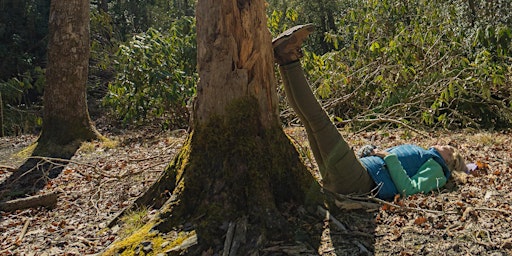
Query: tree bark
x,y
65,116
234,57
237,165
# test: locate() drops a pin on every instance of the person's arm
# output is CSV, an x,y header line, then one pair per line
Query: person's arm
x,y
430,176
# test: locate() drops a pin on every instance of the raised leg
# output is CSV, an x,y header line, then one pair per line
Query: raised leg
x,y
341,170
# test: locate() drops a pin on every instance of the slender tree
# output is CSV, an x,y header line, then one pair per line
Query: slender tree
x,y
66,119
237,167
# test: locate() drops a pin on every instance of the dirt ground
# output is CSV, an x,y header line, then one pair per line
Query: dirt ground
x,y
465,218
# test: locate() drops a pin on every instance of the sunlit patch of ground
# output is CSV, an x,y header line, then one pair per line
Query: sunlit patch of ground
x,y
463,219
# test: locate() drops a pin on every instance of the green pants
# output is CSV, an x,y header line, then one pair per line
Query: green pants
x,y
340,169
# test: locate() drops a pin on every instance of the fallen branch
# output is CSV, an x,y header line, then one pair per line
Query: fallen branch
x,y
47,200
384,202
229,239
493,210
324,213
56,161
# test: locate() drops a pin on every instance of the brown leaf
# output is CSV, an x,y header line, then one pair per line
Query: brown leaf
x,y
420,220
386,207
396,234
481,165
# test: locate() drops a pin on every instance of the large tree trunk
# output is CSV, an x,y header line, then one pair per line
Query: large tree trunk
x,y
237,166
65,116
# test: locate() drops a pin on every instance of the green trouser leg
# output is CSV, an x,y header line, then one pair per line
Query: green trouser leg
x,y
341,170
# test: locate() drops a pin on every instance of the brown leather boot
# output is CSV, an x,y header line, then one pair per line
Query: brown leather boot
x,y
287,46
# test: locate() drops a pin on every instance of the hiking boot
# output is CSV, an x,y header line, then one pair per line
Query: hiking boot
x,y
287,46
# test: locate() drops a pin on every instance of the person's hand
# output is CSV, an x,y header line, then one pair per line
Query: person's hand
x,y
380,153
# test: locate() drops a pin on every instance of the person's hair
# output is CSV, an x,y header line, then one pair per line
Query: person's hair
x,y
457,166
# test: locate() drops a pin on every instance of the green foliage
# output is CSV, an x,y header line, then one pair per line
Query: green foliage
x,y
136,16
20,115
156,76
23,29
280,17
417,62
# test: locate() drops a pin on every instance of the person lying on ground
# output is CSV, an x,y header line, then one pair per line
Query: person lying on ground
x,y
404,170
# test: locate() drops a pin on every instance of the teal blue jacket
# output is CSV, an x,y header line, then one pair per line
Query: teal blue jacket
x,y
410,170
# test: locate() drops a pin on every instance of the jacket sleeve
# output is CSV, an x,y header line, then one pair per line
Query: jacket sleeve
x,y
430,176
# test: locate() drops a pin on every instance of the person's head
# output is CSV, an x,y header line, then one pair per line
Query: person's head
x,y
452,158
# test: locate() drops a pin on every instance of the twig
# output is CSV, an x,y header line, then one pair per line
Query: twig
x,y
56,161
407,207
378,200
229,239
374,121
127,174
325,213
8,168
362,248
476,240
493,210
23,231
145,159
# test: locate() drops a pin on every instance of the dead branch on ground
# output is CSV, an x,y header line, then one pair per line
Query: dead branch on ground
x,y
46,200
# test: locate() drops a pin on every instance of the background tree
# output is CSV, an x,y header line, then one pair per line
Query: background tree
x,y
65,117
66,122
237,166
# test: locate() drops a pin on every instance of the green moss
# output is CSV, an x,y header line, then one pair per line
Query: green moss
x,y
133,221
26,152
231,167
130,245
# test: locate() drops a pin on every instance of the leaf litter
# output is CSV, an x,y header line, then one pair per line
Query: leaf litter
x,y
470,218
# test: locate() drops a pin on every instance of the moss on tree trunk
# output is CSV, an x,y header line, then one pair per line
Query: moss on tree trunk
x,y
230,169
62,136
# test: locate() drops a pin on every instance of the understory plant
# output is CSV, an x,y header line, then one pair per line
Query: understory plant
x,y
415,62
156,76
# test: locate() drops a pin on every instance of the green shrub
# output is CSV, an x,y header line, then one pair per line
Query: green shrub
x,y
156,76
415,62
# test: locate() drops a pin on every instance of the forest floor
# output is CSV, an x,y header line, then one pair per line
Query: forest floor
x,y
467,218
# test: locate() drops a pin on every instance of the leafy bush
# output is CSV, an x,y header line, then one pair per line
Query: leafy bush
x,y
156,75
415,62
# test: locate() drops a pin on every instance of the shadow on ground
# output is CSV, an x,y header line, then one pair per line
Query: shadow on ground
x,y
35,173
